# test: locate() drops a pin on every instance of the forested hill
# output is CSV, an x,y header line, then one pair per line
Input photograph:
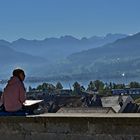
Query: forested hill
x,y
111,60
122,48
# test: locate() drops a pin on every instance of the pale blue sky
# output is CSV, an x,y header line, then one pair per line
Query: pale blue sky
x,y
38,19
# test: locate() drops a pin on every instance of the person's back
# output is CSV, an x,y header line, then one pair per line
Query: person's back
x,y
14,94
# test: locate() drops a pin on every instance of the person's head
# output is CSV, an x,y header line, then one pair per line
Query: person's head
x,y
19,73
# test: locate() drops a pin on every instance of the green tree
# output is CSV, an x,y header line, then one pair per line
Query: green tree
x,y
99,84
111,85
46,86
59,85
76,88
39,87
30,88
91,86
118,86
134,85
50,88
83,88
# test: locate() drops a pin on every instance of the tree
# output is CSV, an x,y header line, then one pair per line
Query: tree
x,y
50,88
59,85
99,84
91,86
110,85
118,86
134,85
76,88
83,88
46,86
30,88
39,87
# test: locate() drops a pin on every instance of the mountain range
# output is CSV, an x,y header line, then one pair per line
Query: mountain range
x,y
55,49
107,56
110,60
10,59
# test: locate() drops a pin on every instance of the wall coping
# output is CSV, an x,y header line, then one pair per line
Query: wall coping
x,y
89,115
43,118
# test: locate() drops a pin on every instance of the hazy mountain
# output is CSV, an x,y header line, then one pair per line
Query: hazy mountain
x,y
58,48
32,54
122,48
10,59
110,60
4,43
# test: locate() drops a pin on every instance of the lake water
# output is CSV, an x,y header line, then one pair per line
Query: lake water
x,y
66,84
69,84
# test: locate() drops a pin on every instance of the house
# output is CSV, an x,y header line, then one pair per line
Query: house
x,y
86,110
112,101
129,91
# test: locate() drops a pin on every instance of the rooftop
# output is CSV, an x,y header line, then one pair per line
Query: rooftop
x,y
86,110
112,101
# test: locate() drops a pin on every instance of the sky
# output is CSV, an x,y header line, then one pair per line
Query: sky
x,y
40,19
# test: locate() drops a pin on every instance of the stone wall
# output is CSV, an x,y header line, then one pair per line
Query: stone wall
x,y
71,127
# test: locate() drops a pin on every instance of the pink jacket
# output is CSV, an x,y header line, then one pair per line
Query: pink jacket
x,y
14,95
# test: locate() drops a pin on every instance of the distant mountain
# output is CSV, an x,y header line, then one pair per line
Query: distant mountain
x,y
4,43
46,57
10,59
122,48
110,60
58,48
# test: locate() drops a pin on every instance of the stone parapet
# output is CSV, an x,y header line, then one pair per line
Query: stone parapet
x,y
74,126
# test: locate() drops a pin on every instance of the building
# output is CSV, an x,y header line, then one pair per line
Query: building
x,y
86,110
129,91
113,101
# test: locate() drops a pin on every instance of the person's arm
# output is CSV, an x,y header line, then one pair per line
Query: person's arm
x,y
22,95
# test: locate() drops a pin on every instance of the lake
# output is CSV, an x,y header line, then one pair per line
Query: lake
x,y
66,84
69,84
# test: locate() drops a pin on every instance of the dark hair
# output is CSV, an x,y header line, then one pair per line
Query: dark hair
x,y
17,72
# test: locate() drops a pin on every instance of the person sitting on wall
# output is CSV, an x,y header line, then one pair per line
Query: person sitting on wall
x,y
14,94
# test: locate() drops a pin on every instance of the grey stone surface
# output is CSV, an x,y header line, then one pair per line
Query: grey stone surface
x,y
74,126
112,101
86,110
